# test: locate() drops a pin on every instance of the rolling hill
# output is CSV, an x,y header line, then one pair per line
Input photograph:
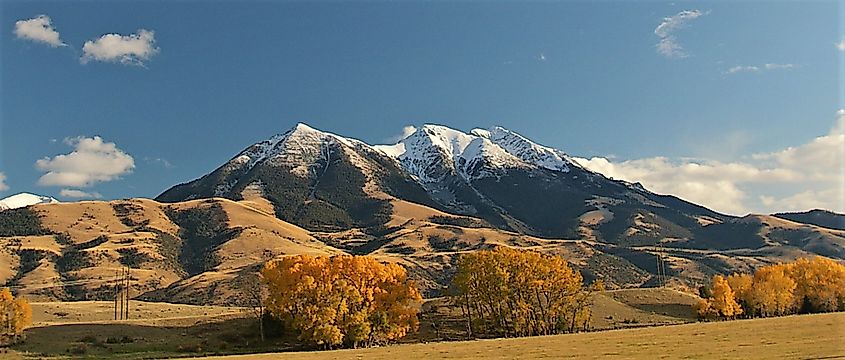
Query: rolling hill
x,y
421,202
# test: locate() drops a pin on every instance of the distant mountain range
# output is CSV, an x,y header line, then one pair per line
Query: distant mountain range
x,y
421,202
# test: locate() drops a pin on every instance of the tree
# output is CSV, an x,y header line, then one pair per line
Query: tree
x,y
336,300
15,314
805,285
741,285
772,293
820,284
255,295
520,293
723,300
704,310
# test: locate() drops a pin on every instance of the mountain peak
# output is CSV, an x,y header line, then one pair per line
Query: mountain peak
x,y
301,127
24,200
527,150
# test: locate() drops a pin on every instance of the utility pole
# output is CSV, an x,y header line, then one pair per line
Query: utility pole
x,y
116,291
122,281
127,292
660,270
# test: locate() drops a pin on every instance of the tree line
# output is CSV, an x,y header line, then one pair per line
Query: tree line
x,y
352,301
803,286
508,292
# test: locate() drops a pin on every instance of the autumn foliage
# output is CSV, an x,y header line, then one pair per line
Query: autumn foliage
x,y
803,286
520,293
15,314
342,300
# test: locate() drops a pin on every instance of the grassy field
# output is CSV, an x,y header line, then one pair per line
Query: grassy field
x,y
158,330
806,336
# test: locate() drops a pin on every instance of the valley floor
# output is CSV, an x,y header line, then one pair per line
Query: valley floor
x,y
649,323
817,336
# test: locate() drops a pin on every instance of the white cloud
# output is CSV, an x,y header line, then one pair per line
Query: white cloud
x,y
159,161
92,161
38,29
757,69
3,186
406,131
841,45
79,194
131,49
668,45
813,173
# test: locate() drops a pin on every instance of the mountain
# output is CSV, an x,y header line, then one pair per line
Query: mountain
x,y
823,218
23,200
421,203
325,182
317,180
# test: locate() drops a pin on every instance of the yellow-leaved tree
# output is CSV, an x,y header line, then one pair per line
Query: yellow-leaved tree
x,y
724,301
15,314
773,292
520,293
819,284
351,300
806,285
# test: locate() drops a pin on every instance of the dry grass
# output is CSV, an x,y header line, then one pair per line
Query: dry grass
x,y
805,336
141,313
162,330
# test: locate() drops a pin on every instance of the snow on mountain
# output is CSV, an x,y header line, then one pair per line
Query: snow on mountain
x,y
527,150
433,151
299,148
24,200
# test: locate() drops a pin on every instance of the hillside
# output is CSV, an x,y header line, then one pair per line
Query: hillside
x,y
817,217
193,251
208,251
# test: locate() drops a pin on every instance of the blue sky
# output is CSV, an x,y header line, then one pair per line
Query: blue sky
x,y
204,80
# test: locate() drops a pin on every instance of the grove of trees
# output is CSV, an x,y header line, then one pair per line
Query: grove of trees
x,y
341,300
803,286
15,314
520,293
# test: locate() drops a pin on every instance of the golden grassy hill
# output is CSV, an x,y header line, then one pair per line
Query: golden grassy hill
x,y
207,251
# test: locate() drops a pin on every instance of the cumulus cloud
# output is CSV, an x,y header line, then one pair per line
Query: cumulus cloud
x,y
757,69
841,45
131,49
668,45
79,194
38,29
811,172
93,160
406,131
3,186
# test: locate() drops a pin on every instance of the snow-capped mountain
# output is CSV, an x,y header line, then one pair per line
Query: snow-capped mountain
x,y
324,181
24,200
314,178
526,150
435,151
